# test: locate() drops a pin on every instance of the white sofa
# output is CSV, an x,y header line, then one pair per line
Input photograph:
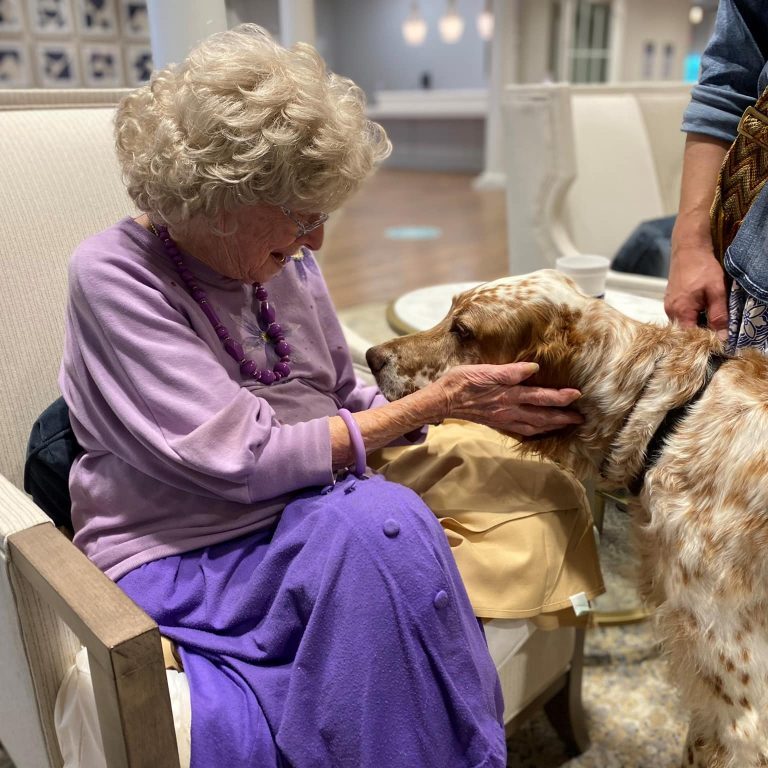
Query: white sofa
x,y
585,164
59,182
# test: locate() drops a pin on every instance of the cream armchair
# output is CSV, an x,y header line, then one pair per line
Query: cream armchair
x,y
587,163
59,182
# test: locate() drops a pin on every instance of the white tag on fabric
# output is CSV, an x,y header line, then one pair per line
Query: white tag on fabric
x,y
580,604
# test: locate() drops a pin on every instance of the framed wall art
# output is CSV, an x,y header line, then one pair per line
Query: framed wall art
x,y
11,18
14,65
138,64
50,17
135,19
57,65
96,18
102,65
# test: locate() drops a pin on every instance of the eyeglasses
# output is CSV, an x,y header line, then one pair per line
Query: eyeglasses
x,y
304,228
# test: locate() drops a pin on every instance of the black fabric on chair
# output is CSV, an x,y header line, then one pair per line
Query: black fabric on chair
x,y
51,450
646,250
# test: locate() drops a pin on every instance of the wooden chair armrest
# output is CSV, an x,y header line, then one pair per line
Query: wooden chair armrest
x,y
124,651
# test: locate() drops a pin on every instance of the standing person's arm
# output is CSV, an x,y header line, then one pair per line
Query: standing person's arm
x,y
696,279
731,67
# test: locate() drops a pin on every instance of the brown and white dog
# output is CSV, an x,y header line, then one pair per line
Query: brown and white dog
x,y
701,512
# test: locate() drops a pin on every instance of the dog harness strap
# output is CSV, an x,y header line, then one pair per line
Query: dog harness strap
x,y
670,422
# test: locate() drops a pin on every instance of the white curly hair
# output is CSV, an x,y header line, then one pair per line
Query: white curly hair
x,y
244,121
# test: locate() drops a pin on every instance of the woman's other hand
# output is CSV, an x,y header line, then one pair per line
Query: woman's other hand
x,y
495,395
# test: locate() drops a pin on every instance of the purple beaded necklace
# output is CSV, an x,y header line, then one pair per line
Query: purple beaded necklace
x,y
266,316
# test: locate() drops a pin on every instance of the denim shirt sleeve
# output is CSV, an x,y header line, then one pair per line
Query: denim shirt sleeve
x,y
733,69
746,258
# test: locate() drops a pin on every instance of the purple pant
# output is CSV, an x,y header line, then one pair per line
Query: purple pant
x,y
345,638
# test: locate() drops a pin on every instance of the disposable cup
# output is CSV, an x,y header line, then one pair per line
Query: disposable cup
x,y
587,270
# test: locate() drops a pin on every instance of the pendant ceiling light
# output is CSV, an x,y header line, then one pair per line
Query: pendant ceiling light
x,y
451,24
696,14
485,22
414,27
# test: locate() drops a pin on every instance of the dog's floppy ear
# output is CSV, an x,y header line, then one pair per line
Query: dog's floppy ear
x,y
552,340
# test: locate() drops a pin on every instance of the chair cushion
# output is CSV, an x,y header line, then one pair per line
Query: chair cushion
x,y
647,250
77,720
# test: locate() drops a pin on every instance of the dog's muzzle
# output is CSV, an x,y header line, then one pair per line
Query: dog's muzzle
x,y
377,358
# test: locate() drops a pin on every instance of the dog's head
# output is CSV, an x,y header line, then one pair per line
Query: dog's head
x,y
534,318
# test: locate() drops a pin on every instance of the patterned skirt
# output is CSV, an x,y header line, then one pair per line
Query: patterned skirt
x,y
747,320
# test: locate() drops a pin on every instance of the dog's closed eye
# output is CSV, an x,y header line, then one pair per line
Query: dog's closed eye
x,y
461,331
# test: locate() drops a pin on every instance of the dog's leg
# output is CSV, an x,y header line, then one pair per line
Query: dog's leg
x,y
707,577
717,659
701,751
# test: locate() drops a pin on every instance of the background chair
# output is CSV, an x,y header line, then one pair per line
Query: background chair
x,y
585,165
59,182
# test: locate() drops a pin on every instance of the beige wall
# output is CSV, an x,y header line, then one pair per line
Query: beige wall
x,y
660,21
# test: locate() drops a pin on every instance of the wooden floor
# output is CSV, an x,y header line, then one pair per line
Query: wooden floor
x,y
361,264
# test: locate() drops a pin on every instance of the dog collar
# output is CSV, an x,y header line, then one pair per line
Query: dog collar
x,y
670,421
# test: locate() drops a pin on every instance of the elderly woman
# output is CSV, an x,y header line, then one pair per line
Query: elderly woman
x,y
319,614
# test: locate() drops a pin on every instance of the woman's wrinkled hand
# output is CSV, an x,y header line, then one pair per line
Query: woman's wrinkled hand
x,y
494,395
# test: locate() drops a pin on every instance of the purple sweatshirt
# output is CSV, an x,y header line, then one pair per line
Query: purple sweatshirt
x,y
180,449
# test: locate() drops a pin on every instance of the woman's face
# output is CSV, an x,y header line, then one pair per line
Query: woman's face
x,y
263,239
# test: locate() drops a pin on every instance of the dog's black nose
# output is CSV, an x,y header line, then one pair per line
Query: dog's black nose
x,y
377,358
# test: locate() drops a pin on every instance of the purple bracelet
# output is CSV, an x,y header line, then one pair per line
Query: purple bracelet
x,y
356,437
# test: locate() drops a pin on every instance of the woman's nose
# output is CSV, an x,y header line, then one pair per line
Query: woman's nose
x,y
314,239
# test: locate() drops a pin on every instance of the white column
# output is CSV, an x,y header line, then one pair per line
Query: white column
x,y
566,42
505,53
176,26
297,22
617,40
